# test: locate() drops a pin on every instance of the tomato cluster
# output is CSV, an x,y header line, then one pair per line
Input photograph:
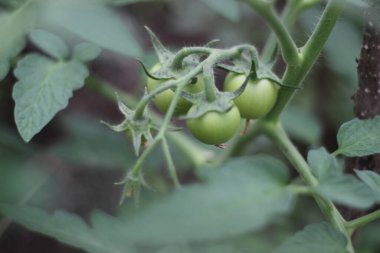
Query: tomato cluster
x,y
163,100
215,127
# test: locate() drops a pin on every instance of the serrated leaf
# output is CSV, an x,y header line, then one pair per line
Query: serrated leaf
x,y
346,190
372,179
86,52
323,164
301,125
13,28
43,89
227,8
94,22
336,186
67,228
315,238
243,196
359,137
50,44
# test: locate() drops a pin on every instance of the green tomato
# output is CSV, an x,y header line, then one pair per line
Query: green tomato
x,y
215,127
257,99
163,100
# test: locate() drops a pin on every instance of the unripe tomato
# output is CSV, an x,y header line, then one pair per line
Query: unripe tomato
x,y
215,127
163,100
257,99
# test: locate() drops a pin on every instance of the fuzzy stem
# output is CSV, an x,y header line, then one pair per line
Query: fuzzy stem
x,y
295,75
169,160
362,221
288,47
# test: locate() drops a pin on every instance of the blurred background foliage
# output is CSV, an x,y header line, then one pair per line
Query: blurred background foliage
x,y
75,161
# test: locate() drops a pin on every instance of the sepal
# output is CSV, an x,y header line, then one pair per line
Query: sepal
x,y
138,128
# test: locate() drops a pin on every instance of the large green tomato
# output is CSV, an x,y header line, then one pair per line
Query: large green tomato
x,y
257,99
163,100
215,127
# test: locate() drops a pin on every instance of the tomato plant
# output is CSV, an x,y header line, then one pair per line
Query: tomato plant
x,y
304,176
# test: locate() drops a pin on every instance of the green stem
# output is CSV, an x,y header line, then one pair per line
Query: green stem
x,y
288,47
184,52
169,160
139,114
295,75
278,135
208,77
288,18
362,221
300,189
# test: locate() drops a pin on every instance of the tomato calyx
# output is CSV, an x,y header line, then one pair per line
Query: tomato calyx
x,y
222,103
138,128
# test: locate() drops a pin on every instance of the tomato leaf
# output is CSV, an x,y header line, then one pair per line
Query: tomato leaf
x,y
359,137
372,179
50,44
323,164
86,52
43,89
336,186
346,190
315,238
301,125
93,22
68,228
227,8
13,28
244,195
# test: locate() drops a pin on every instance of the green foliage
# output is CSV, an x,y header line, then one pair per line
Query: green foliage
x,y
227,8
372,179
86,52
334,185
315,238
43,89
227,205
301,125
359,137
70,228
50,44
92,144
91,21
13,28
242,196
21,178
322,164
346,190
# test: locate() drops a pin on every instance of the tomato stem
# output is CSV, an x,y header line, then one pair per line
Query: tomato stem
x,y
362,221
294,75
288,47
278,135
187,51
